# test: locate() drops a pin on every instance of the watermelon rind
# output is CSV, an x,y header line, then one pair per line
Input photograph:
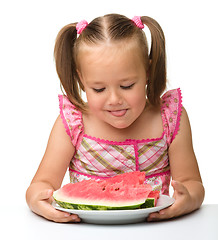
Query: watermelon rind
x,y
149,203
68,205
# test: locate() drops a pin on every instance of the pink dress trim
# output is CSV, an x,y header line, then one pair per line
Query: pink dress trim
x,y
98,177
170,120
158,174
72,120
126,142
179,114
62,115
87,175
136,156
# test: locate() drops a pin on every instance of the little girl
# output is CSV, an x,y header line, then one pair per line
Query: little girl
x,y
126,124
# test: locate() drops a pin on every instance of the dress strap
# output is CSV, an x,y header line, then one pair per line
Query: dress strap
x,y
72,120
171,108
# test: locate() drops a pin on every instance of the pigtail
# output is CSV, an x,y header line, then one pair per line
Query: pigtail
x,y
157,69
65,64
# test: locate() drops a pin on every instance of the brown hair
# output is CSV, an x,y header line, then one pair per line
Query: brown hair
x,y
112,27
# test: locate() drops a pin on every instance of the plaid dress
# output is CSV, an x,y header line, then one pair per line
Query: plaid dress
x,y
98,158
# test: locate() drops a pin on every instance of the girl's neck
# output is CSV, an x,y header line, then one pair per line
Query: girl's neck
x,y
147,125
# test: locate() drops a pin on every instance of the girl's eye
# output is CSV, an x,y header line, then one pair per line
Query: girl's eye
x,y
98,90
127,87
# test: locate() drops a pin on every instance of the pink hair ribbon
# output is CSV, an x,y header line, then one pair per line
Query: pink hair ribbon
x,y
138,22
81,26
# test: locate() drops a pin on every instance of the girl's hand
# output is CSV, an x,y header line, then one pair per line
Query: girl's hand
x,y
181,206
44,208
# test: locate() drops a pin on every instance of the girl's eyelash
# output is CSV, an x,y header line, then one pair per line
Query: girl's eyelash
x,y
127,87
98,90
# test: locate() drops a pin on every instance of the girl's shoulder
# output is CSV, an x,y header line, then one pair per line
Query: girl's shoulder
x,y
72,119
171,108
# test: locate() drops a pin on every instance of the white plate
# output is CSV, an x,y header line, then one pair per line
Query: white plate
x,y
118,216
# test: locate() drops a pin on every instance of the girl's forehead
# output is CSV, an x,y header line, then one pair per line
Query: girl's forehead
x,y
107,51
110,62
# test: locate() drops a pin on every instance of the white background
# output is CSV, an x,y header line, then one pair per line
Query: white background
x,y
29,83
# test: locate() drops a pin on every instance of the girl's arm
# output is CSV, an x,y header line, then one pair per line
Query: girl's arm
x,y
187,183
50,174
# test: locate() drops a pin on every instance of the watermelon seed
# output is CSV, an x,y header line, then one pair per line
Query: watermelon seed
x,y
116,189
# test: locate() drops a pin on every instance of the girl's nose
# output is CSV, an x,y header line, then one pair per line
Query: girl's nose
x,y
115,98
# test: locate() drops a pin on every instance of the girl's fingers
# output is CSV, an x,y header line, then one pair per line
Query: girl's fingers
x,y
58,216
63,217
182,200
49,212
163,214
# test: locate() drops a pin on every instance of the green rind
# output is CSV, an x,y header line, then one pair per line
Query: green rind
x,y
149,203
94,207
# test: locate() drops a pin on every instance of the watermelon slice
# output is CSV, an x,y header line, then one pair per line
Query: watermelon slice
x,y
151,201
124,191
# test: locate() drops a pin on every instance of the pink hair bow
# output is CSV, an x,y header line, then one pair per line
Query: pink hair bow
x,y
138,22
81,26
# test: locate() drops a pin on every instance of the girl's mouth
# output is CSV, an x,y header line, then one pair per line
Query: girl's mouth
x,y
118,113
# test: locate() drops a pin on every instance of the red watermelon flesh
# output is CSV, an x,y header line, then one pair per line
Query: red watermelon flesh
x,y
129,178
155,195
151,200
125,191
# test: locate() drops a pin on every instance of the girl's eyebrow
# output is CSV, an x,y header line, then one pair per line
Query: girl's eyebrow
x,y
129,79
121,80
95,82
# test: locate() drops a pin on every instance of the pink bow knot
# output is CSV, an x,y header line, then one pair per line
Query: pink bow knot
x,y
138,22
81,26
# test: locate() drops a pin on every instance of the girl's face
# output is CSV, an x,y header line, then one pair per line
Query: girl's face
x,y
114,79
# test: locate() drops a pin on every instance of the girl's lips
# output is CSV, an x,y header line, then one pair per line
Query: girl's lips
x,y
118,113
